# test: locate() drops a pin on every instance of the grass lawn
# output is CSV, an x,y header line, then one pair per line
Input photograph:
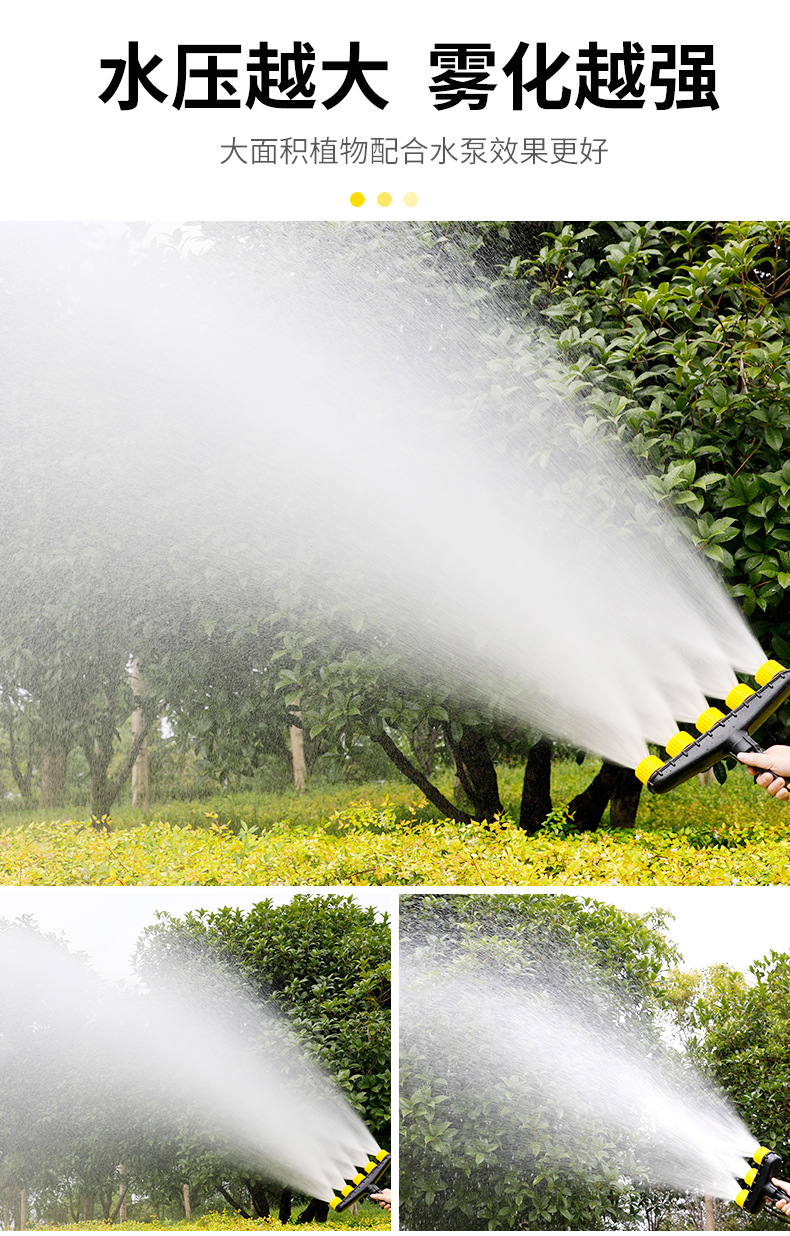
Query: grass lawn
x,y
386,833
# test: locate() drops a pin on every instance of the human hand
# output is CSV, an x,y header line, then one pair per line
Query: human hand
x,y
384,1198
783,1206
776,763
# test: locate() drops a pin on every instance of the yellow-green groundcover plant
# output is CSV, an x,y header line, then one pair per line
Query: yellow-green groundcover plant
x,y
367,844
369,1219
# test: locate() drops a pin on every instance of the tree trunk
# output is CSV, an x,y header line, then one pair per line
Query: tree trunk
x,y
317,1212
625,800
297,754
536,793
477,773
99,753
122,1199
284,1213
23,1210
139,730
259,1202
23,779
710,1222
423,744
586,809
612,782
187,1206
459,793
53,774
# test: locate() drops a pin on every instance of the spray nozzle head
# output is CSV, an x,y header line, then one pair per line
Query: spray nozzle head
x,y
758,1183
720,733
363,1183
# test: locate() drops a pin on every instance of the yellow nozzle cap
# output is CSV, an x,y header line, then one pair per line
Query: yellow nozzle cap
x,y
344,1192
738,695
768,671
760,1153
335,1202
678,742
740,1199
646,767
750,1176
382,1154
357,1179
707,719
369,1166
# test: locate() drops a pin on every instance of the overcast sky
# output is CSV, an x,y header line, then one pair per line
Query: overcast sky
x,y
106,923
733,925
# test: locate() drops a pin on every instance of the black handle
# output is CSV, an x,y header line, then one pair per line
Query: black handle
x,y
776,1194
745,743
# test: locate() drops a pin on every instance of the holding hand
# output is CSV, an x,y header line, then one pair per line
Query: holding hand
x,y
776,763
783,1206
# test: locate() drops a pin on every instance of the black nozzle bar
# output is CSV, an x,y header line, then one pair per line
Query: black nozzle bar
x,y
363,1184
729,736
758,1183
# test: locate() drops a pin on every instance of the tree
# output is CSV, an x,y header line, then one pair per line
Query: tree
x,y
481,1148
58,1094
738,1028
323,961
110,1099
676,336
107,557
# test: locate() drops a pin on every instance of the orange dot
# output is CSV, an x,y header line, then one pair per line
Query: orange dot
x,y
357,199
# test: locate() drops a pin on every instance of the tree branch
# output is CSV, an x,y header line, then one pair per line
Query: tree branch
x,y
235,1205
421,781
128,764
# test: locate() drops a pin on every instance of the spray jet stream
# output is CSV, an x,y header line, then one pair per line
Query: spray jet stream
x,y
721,734
758,1183
372,439
515,1059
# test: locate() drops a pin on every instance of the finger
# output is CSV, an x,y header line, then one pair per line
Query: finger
x,y
755,759
765,780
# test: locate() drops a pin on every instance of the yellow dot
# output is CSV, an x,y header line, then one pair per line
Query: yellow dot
x,y
410,199
357,199
384,199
